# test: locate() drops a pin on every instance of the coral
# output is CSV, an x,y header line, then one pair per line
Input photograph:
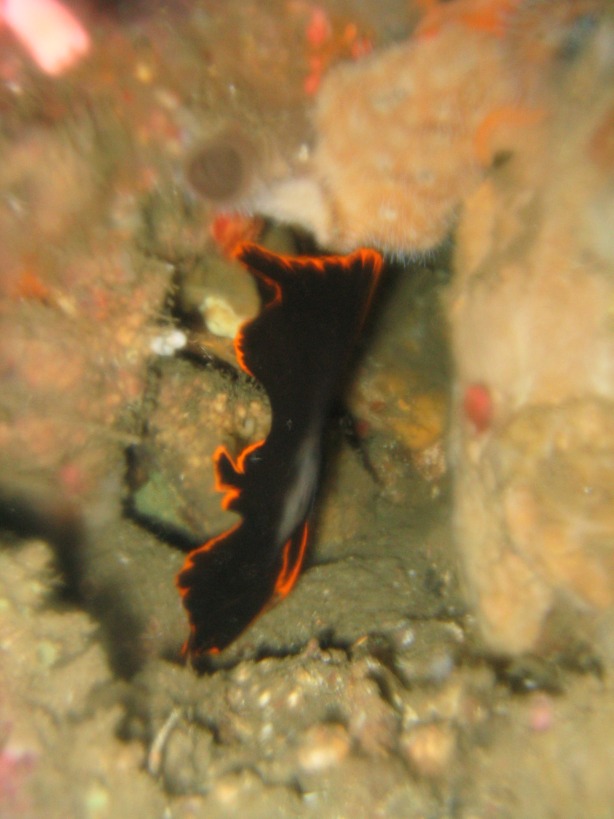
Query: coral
x,y
533,342
327,40
482,15
397,146
399,156
405,135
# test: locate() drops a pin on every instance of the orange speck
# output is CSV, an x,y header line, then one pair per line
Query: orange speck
x,y
72,478
319,28
311,83
29,286
316,63
350,33
489,16
360,47
231,229
362,428
327,42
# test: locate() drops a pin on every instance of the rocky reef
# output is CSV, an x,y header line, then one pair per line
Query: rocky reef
x,y
490,128
471,140
531,318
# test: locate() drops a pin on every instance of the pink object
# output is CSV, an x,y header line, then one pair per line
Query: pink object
x,y
49,32
477,404
319,29
541,715
311,83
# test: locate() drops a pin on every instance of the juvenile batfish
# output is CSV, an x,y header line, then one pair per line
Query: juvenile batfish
x,y
298,347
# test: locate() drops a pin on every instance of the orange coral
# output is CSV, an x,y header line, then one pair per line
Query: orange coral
x,y
30,287
328,41
489,16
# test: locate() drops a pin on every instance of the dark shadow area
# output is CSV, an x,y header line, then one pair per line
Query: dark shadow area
x,y
43,514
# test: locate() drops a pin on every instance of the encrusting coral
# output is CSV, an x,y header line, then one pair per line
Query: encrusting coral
x,y
402,137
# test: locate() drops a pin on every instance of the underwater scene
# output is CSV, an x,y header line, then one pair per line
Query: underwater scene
x,y
306,409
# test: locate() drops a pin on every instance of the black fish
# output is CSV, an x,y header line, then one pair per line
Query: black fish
x,y
298,348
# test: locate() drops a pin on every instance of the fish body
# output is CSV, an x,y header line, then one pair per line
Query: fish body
x,y
298,347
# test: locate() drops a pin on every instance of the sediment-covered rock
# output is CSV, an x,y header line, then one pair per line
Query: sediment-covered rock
x,y
533,342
